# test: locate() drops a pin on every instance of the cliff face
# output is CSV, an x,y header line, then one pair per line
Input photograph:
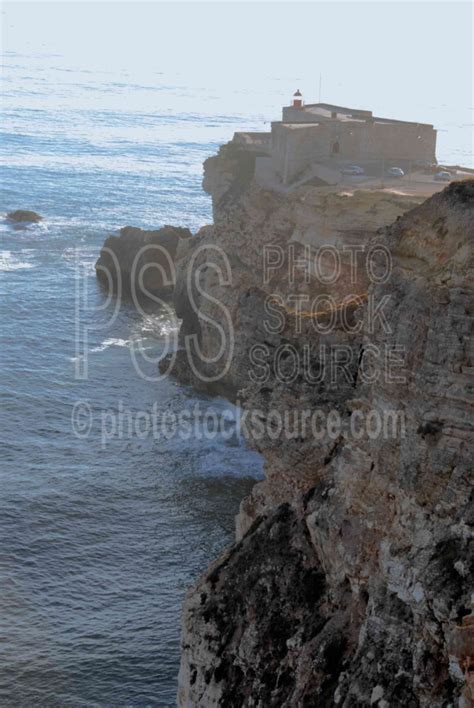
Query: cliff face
x,y
247,219
349,583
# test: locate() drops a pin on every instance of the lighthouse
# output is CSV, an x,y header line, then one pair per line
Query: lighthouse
x,y
297,99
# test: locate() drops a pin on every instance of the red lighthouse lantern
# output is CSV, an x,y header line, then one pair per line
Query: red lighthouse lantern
x,y
298,99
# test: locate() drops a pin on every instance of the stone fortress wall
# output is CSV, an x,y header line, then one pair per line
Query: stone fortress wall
x,y
332,135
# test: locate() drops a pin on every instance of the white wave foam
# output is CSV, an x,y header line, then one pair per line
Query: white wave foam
x,y
9,262
112,342
158,326
116,342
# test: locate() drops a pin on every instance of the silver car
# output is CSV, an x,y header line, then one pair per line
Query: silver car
x,y
395,172
352,170
443,176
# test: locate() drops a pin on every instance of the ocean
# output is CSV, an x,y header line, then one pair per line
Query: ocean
x,y
99,542
100,535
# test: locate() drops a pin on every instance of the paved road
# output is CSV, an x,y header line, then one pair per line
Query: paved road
x,y
414,183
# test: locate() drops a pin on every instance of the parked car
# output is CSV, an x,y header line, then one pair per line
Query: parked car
x,y
352,170
395,172
443,176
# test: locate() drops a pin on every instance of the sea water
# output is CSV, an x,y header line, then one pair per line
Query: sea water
x,y
99,538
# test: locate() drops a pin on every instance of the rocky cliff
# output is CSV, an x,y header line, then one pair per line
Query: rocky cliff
x,y
349,583
248,219
141,263
341,322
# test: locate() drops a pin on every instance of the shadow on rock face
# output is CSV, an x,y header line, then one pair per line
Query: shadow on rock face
x,y
139,264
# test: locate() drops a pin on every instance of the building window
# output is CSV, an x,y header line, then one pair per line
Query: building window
x,y
335,148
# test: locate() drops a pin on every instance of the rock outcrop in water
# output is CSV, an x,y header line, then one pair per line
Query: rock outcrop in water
x,y
349,583
23,215
135,251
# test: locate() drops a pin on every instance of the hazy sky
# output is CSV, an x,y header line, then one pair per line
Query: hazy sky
x,y
403,59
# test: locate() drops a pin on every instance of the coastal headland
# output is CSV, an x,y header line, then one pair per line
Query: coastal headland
x,y
350,578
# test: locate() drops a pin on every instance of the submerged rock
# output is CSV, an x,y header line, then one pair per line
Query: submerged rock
x,y
23,215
